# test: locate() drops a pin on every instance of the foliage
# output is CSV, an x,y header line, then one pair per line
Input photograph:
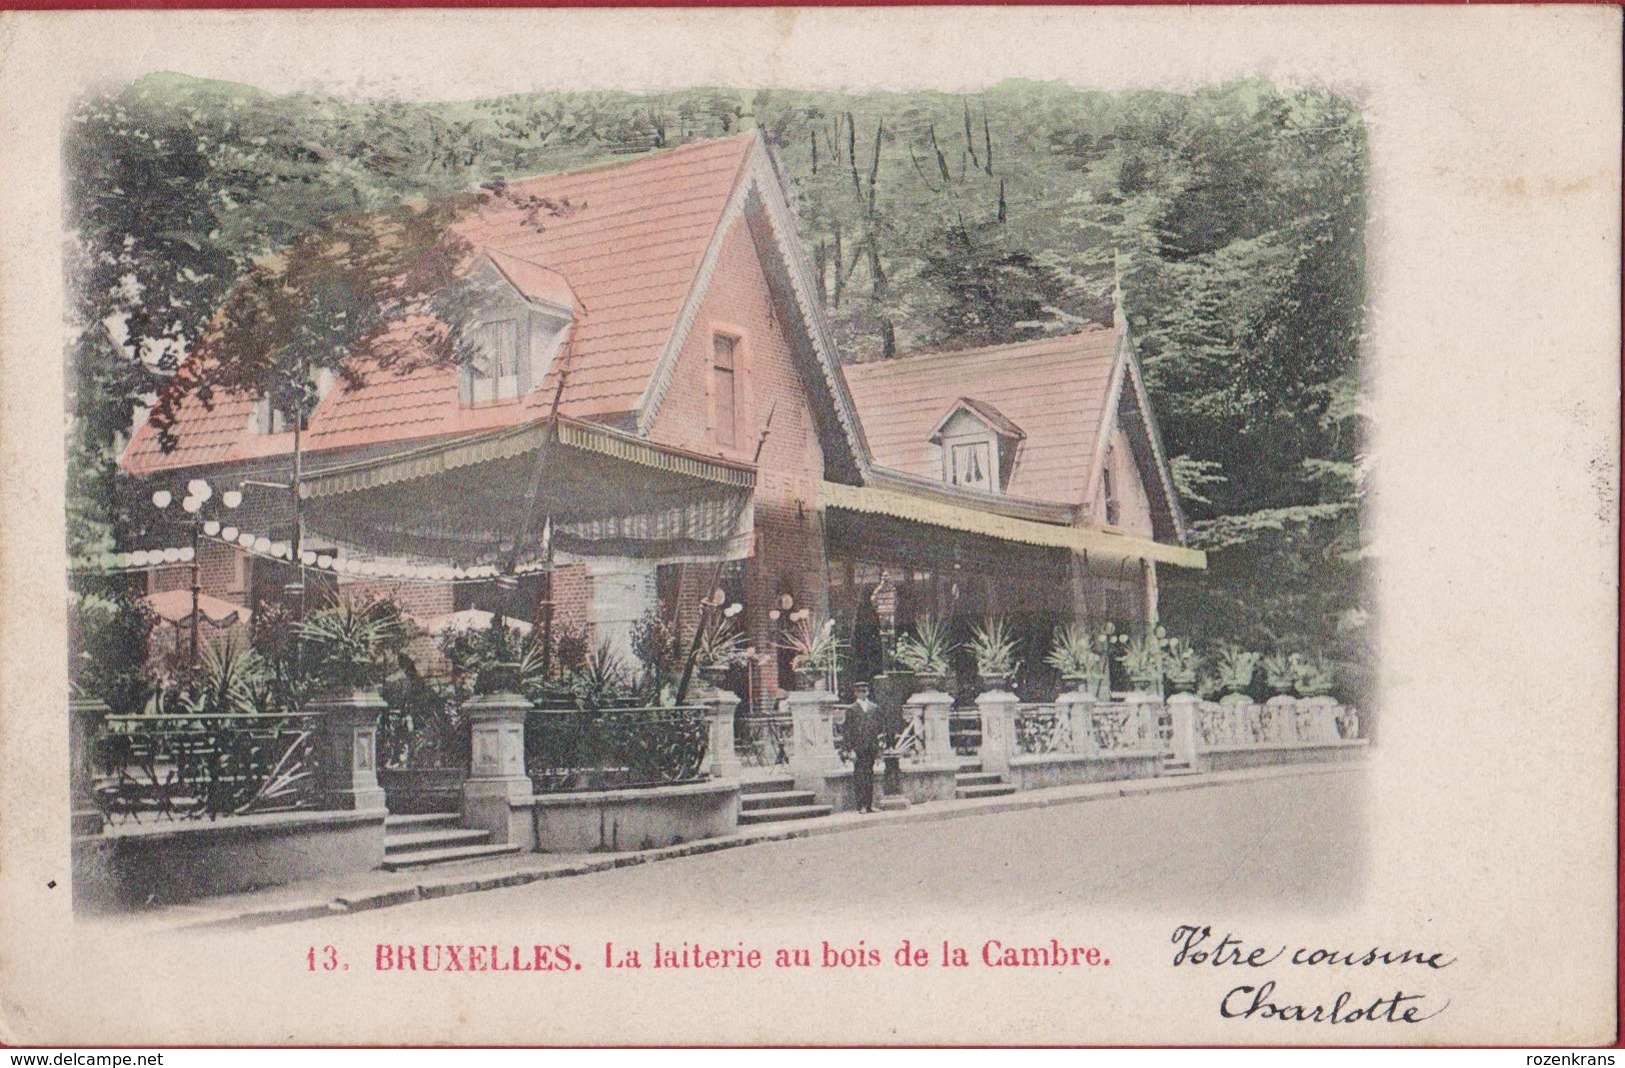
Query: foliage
x,y
424,727
1079,653
994,648
229,679
658,646
1281,671
814,648
925,650
720,644
108,634
1313,677
1234,668
352,644
1181,664
1145,659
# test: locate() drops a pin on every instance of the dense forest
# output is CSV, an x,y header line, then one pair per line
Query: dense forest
x,y
1233,218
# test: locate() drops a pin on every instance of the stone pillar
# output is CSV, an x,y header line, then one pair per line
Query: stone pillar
x,y
724,759
496,776
812,731
1322,717
1283,716
84,717
1183,708
623,590
1077,710
1144,711
998,710
930,709
347,748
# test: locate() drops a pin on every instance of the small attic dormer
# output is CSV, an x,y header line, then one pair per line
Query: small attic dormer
x,y
979,446
521,315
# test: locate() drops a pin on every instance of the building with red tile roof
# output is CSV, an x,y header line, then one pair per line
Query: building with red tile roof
x,y
658,409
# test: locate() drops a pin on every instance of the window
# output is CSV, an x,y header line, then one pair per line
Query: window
x,y
494,373
1108,489
269,420
970,464
724,390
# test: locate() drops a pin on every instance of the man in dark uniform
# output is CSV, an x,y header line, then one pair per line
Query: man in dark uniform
x,y
863,738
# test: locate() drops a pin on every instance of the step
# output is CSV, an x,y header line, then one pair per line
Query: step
x,y
774,815
990,790
1169,772
776,799
427,857
767,786
436,839
970,766
411,824
978,778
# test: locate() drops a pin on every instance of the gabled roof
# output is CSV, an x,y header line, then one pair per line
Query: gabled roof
x,y
626,243
1063,393
990,417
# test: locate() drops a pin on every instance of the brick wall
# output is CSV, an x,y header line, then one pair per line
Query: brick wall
x,y
420,600
219,573
788,555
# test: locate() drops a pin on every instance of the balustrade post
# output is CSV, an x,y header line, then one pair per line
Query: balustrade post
x,y
85,715
1183,709
497,775
346,744
724,759
998,710
931,709
1144,712
812,730
1321,712
1283,710
1077,709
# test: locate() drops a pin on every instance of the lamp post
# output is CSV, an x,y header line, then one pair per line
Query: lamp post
x,y
198,494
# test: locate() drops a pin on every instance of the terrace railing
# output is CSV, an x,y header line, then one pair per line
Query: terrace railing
x,y
1042,729
764,739
617,748
1282,721
181,766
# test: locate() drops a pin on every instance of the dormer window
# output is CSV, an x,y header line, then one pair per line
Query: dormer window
x,y
270,420
970,464
979,446
524,313
494,372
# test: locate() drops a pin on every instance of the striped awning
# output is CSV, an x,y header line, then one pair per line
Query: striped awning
x,y
511,496
919,508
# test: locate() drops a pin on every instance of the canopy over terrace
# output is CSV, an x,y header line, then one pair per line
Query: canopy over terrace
x,y
510,497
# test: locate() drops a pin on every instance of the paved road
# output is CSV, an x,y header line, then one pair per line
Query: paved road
x,y
1292,842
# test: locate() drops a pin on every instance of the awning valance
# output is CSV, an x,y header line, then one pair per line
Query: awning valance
x,y
509,496
922,509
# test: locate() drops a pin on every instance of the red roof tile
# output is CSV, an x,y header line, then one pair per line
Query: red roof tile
x,y
1053,389
626,246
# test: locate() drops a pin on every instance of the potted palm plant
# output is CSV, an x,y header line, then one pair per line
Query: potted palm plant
x,y
1144,660
815,652
1281,672
1181,664
1080,656
994,648
925,653
1234,669
719,648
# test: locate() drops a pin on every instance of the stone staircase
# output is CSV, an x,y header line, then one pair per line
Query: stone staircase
x,y
773,800
420,841
1173,766
972,781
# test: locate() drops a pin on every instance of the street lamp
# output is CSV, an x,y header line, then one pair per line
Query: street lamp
x,y
198,494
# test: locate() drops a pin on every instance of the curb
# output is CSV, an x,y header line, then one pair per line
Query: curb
x,y
949,810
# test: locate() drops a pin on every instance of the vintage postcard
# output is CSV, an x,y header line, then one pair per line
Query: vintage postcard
x,y
990,526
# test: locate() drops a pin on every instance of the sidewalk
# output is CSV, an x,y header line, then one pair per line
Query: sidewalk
x,y
359,893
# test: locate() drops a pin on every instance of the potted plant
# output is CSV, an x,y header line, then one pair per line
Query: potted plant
x,y
1080,656
925,653
1234,670
1144,660
1181,664
351,645
1313,678
994,649
719,648
815,652
1281,672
